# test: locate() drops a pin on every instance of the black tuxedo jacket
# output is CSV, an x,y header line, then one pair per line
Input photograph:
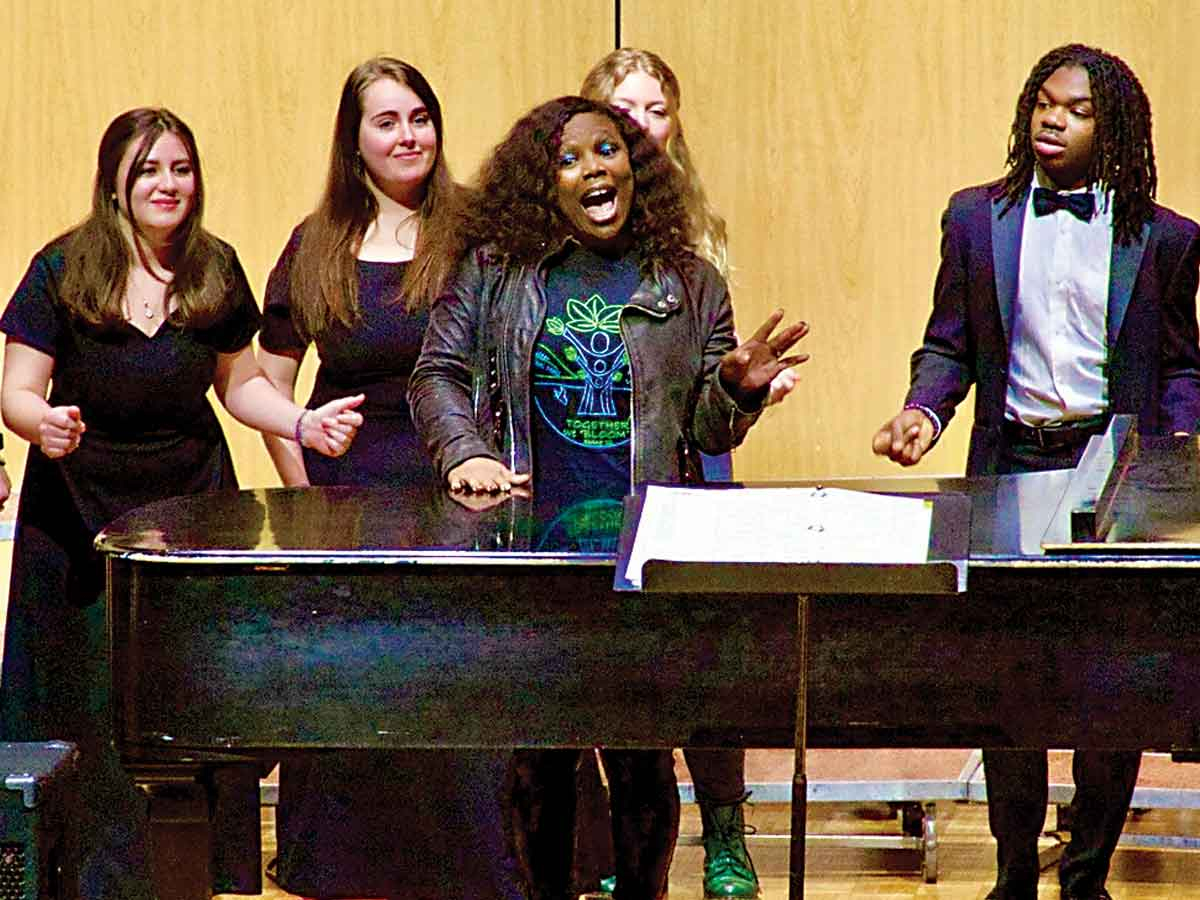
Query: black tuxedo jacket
x,y
1153,354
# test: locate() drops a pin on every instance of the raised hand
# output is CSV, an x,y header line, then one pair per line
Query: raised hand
x,y
748,370
60,431
330,429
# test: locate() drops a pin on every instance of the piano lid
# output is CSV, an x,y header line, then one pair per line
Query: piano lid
x,y
414,523
334,524
1147,503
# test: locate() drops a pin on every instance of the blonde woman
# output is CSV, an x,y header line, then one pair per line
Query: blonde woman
x,y
643,86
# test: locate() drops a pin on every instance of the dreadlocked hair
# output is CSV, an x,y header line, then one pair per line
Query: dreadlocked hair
x,y
1123,162
513,206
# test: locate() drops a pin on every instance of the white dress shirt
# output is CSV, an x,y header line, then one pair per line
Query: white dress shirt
x,y
1059,348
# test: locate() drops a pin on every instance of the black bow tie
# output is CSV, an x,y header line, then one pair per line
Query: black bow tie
x,y
1081,206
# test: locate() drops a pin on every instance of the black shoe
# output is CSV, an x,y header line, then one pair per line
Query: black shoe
x,y
1093,894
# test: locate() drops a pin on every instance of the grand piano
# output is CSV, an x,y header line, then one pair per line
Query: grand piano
x,y
245,626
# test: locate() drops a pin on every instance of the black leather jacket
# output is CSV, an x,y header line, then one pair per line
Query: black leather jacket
x,y
469,392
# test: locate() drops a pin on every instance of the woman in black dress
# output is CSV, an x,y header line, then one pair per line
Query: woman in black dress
x,y
356,278
128,319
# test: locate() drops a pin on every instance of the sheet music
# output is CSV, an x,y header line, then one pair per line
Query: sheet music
x,y
779,525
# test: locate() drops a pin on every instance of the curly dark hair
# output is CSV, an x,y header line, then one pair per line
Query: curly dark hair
x,y
513,205
1123,161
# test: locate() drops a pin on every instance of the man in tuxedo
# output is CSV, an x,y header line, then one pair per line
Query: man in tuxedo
x,y
1065,294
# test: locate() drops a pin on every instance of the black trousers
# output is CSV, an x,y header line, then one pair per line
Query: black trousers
x,y
718,775
1017,797
1017,780
550,831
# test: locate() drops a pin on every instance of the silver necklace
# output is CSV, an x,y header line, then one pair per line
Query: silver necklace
x,y
147,308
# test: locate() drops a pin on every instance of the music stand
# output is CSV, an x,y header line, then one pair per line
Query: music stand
x,y
943,572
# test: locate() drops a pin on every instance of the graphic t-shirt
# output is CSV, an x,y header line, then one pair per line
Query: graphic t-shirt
x,y
580,381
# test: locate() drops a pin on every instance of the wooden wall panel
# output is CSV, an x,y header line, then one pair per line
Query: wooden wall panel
x,y
258,82
831,134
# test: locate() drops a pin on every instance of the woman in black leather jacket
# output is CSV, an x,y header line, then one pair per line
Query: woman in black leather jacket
x,y
531,216
583,348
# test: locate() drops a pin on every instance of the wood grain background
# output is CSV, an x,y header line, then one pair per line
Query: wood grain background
x,y
830,134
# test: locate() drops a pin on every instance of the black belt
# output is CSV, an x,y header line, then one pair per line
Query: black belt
x,y
1055,437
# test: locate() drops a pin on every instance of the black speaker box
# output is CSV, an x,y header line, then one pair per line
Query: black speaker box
x,y
37,858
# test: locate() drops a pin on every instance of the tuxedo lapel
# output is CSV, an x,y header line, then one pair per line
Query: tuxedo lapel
x,y
1126,261
1006,257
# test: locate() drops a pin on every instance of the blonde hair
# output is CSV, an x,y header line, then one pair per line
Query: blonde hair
x,y
706,229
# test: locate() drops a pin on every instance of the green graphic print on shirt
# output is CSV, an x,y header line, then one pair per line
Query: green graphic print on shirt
x,y
581,380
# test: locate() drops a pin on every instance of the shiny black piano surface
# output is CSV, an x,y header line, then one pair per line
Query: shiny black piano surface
x,y
341,617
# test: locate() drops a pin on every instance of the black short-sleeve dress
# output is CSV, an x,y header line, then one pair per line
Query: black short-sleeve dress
x,y
374,357
151,434
416,824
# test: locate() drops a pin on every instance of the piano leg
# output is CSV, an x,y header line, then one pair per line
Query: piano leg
x,y
180,835
800,777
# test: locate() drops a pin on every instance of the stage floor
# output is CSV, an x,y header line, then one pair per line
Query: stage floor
x,y
966,852
967,861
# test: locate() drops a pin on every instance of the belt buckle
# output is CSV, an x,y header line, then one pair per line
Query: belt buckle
x,y
1055,437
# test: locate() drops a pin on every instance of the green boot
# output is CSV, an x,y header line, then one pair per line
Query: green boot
x,y
728,871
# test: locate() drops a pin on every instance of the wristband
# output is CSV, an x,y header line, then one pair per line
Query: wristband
x,y
296,431
930,414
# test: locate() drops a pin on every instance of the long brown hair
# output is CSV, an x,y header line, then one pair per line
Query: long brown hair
x,y
99,255
706,229
324,276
